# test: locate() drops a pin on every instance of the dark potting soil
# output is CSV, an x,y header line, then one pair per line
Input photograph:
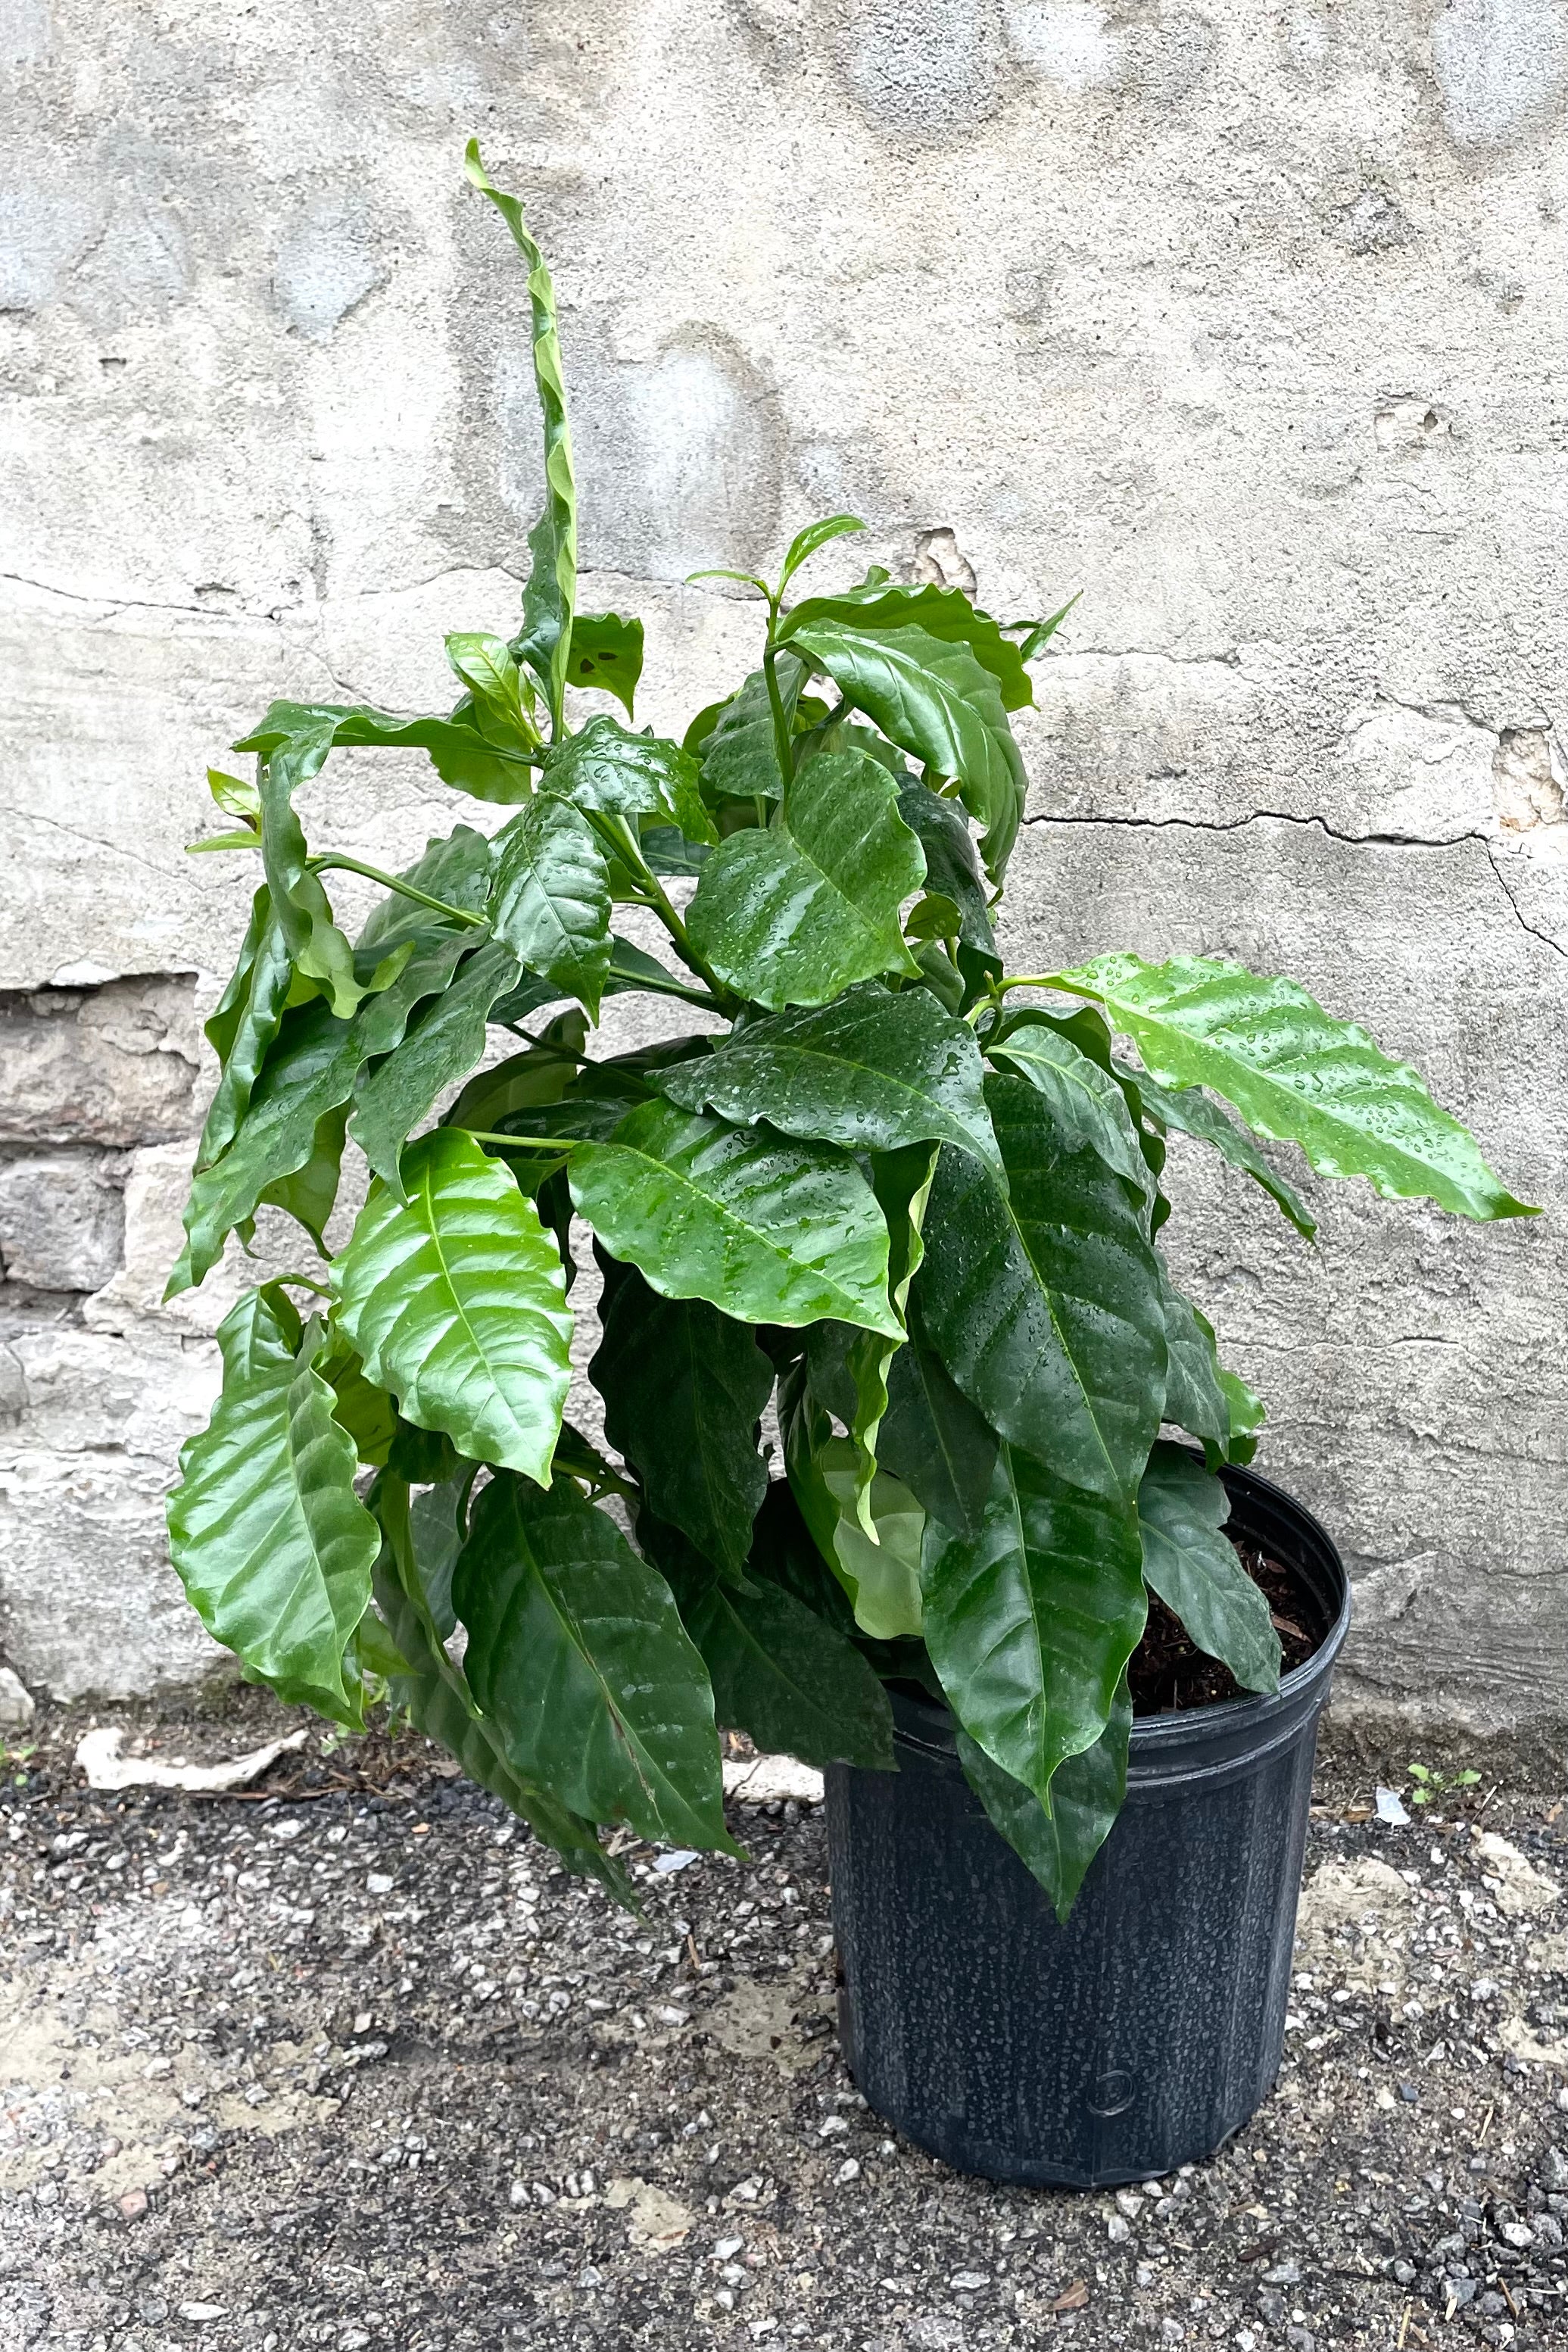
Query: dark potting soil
x,y
1168,1671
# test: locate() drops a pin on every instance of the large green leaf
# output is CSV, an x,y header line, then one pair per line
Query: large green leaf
x,y
434,1693
308,1194
1190,1110
1295,1074
684,1389
244,1023
606,652
873,1071
441,1046
309,1073
456,1302
779,1674
270,1540
740,756
552,901
953,869
1085,1798
1195,1570
772,1231
934,1440
454,868
1088,1108
577,1651
937,703
945,614
1046,1306
796,911
605,766
1031,1623
549,600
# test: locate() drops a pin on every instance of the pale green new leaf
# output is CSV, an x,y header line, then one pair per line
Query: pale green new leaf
x,y
1193,1568
1085,1798
487,668
805,543
880,1571
935,702
773,1231
576,1652
801,908
551,899
456,1300
269,1539
1296,1075
1030,1622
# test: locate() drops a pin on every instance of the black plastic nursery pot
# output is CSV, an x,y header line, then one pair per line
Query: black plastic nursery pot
x,y
1143,2032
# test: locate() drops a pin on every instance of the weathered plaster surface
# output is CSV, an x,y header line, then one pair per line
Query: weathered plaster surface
x,y
1253,326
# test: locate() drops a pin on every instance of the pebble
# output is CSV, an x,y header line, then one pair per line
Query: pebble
x,y
133,2204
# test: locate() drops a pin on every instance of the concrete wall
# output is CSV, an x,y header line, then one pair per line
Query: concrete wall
x,y
1252,323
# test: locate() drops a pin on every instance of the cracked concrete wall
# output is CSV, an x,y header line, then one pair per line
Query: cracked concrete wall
x,y
1254,326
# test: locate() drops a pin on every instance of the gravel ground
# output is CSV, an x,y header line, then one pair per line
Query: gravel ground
x,y
348,2062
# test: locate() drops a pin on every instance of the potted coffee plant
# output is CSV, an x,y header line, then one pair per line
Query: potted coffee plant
x,y
879,1200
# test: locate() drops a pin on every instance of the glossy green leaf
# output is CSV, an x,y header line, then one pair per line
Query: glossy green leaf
x,y
551,899
776,1231
309,1072
944,613
1031,1623
1194,1398
880,1570
805,543
1296,1075
434,1694
292,744
439,1049
935,702
308,1194
1046,1306
1038,634
606,652
269,1539
236,797
1193,1568
779,1674
366,1411
577,1651
739,757
454,868
902,1182
934,1440
796,911
1190,1110
872,1071
499,701
530,1080
1085,1798
549,600
1087,1107
244,1023
605,766
684,1389
457,1303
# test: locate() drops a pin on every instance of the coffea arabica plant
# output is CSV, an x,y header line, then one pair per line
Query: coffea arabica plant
x,y
918,1215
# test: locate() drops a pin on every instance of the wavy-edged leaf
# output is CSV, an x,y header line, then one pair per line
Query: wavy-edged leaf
x,y
684,1389
739,755
792,1683
873,1071
434,1693
793,912
551,897
1088,1108
879,1572
773,1231
1085,1798
944,613
309,1073
270,1540
953,870
1190,1110
549,600
244,1023
1296,1075
937,703
577,1651
456,1300
606,652
308,1194
1046,1306
605,766
456,867
1031,1623
439,1049
1193,1568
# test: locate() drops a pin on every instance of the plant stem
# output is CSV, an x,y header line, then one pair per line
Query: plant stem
x,y
404,889
775,703
522,1142
1029,980
617,835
